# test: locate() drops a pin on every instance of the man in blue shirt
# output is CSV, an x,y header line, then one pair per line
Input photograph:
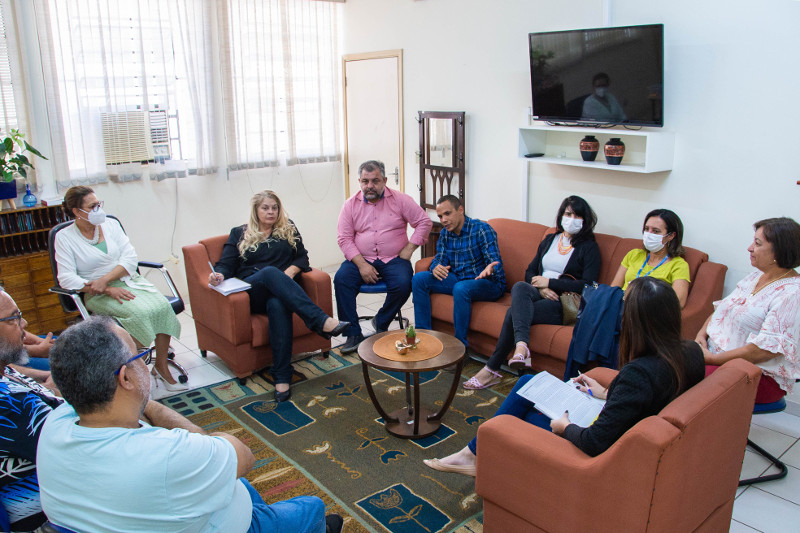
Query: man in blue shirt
x,y
24,405
111,459
467,265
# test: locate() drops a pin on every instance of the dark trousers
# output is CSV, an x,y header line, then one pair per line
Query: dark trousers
x,y
347,282
527,308
278,296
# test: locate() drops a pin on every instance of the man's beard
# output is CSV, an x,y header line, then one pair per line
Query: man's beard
x,y
12,355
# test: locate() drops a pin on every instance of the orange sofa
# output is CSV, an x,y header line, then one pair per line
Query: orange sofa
x,y
677,471
549,344
224,323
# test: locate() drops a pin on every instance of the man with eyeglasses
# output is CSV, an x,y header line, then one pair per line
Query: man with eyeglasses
x,y
24,405
101,468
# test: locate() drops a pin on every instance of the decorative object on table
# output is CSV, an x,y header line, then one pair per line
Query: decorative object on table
x,y
29,200
411,336
14,161
589,146
614,150
401,347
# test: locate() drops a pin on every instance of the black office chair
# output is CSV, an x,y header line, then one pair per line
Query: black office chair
x,y
72,300
762,408
377,288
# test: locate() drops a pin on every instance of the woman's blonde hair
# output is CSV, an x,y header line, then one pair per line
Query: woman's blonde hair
x,y
253,236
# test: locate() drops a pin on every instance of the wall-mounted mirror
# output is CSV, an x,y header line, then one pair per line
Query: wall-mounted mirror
x,y
441,163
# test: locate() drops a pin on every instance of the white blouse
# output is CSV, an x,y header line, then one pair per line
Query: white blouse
x,y
80,262
553,262
769,319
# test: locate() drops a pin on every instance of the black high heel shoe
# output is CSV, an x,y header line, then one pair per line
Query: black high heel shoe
x,y
335,332
283,396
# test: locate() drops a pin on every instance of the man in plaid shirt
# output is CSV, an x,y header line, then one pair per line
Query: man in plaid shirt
x,y
467,265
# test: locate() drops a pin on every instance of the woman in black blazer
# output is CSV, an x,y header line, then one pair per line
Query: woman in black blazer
x,y
268,253
564,262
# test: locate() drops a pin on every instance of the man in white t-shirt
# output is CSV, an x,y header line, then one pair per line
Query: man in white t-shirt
x,y
101,468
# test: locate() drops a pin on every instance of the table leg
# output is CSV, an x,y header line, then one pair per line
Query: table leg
x,y
451,394
409,406
417,409
368,384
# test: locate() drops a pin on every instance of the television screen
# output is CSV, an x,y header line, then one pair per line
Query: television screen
x,y
599,76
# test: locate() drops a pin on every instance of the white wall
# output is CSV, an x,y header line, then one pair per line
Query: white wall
x,y
730,79
203,206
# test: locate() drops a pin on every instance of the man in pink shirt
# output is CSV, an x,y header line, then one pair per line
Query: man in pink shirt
x,y
373,238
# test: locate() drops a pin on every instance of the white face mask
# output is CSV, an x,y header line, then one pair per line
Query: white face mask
x,y
600,92
571,225
95,216
652,241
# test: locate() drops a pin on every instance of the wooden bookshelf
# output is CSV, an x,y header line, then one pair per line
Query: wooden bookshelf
x,y
25,266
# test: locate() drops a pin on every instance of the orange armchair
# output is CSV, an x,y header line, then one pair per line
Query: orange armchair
x,y
677,471
224,324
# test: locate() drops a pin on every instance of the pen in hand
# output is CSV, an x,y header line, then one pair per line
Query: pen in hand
x,y
216,274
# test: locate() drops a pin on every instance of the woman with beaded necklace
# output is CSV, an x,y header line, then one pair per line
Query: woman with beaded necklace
x,y
95,256
760,320
565,261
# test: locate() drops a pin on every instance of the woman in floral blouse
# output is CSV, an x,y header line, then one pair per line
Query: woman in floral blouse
x,y
760,320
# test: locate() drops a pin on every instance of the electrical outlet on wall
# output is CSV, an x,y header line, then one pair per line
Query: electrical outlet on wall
x,y
173,259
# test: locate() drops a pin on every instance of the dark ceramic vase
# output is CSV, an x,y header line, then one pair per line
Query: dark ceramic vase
x,y
589,147
614,150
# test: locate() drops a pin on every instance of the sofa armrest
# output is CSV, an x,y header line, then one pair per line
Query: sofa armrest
x,y
317,285
423,264
228,316
525,469
604,376
706,288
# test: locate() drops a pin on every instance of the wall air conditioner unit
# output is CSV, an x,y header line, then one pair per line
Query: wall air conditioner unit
x,y
135,136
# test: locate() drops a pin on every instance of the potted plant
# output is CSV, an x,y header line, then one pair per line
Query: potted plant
x,y
14,161
411,336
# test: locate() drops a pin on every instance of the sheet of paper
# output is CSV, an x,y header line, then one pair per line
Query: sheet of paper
x,y
230,285
552,397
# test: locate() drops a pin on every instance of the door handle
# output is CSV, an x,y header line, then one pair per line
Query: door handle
x,y
396,175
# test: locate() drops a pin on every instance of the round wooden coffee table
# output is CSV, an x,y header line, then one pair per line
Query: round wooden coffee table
x,y
413,421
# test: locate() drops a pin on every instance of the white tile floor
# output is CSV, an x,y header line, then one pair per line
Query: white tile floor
x,y
768,507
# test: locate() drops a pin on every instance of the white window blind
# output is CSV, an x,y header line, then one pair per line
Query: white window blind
x,y
258,76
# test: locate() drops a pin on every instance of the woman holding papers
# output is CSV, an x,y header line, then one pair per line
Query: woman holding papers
x,y
95,256
656,367
268,253
760,320
565,262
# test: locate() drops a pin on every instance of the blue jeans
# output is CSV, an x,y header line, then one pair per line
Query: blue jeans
x,y
39,363
464,293
303,514
347,282
527,308
278,296
516,405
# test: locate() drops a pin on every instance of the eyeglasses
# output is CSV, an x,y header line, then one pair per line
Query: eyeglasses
x,y
139,355
94,207
16,316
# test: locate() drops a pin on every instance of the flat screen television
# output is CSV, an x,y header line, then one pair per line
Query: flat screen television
x,y
599,76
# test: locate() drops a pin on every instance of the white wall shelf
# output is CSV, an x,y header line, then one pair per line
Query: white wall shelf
x,y
645,151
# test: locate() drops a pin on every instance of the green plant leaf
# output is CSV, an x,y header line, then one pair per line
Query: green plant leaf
x,y
9,144
33,150
23,172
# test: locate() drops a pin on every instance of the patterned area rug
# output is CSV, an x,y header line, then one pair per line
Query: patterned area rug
x,y
329,441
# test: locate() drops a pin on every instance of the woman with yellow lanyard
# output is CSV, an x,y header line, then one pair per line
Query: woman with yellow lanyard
x,y
661,257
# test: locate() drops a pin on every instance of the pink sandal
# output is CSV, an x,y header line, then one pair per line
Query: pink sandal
x,y
473,383
520,360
